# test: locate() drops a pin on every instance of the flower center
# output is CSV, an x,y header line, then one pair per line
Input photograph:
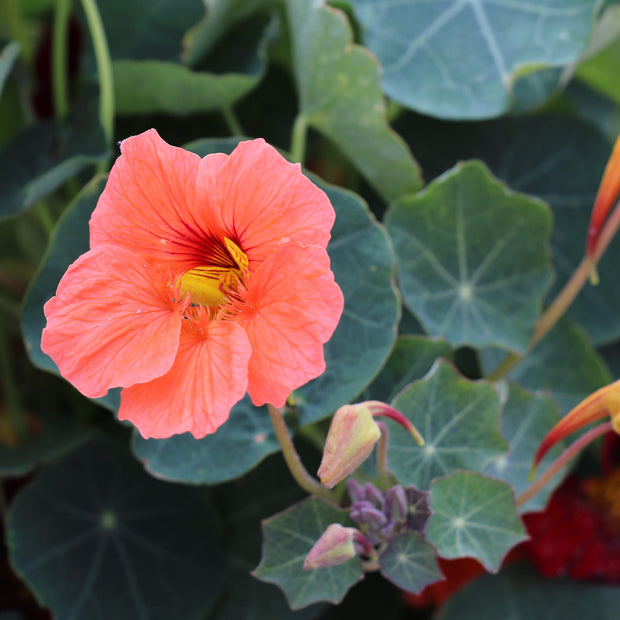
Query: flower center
x,y
209,284
605,493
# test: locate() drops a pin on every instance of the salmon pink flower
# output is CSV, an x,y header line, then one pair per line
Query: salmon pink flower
x,y
205,278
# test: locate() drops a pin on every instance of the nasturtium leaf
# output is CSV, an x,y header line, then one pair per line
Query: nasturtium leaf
x,y
8,56
559,159
472,259
52,436
242,504
340,96
535,88
564,362
520,593
460,58
40,158
410,562
243,441
410,359
525,420
473,516
459,420
96,537
143,86
287,539
222,16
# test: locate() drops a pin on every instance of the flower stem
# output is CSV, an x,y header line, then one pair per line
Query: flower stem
x,y
59,59
104,69
298,139
232,121
293,462
382,448
565,297
561,461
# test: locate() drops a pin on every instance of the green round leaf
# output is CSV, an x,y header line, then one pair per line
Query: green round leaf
x,y
95,537
472,258
473,516
340,96
287,540
459,420
460,58
525,420
542,156
520,593
410,562
248,435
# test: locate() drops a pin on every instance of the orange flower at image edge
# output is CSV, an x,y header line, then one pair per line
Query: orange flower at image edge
x,y
205,278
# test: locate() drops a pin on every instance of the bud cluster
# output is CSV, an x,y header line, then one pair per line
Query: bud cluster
x,y
382,515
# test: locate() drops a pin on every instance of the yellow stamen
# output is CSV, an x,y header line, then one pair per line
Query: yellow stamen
x,y
208,285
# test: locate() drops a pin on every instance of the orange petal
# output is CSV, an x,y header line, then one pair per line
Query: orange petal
x,y
265,200
112,322
605,198
149,201
291,309
208,377
604,402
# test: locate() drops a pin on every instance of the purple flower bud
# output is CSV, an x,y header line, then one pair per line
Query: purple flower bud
x,y
373,517
396,504
356,490
374,495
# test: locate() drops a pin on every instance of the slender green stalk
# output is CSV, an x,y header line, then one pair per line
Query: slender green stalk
x,y
382,449
16,415
565,297
232,121
570,452
293,462
104,69
298,139
59,59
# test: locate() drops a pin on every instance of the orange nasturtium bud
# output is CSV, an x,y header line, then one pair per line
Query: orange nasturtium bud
x,y
350,440
604,402
607,195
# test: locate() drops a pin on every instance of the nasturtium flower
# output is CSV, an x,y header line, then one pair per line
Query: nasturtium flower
x,y
206,278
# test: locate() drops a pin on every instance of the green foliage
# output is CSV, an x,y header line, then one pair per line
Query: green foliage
x,y
459,59
473,516
459,420
340,96
520,593
444,286
119,544
472,260
288,537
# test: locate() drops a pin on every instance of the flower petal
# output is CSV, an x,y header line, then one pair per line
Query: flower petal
x,y
290,310
208,377
113,322
149,201
264,200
